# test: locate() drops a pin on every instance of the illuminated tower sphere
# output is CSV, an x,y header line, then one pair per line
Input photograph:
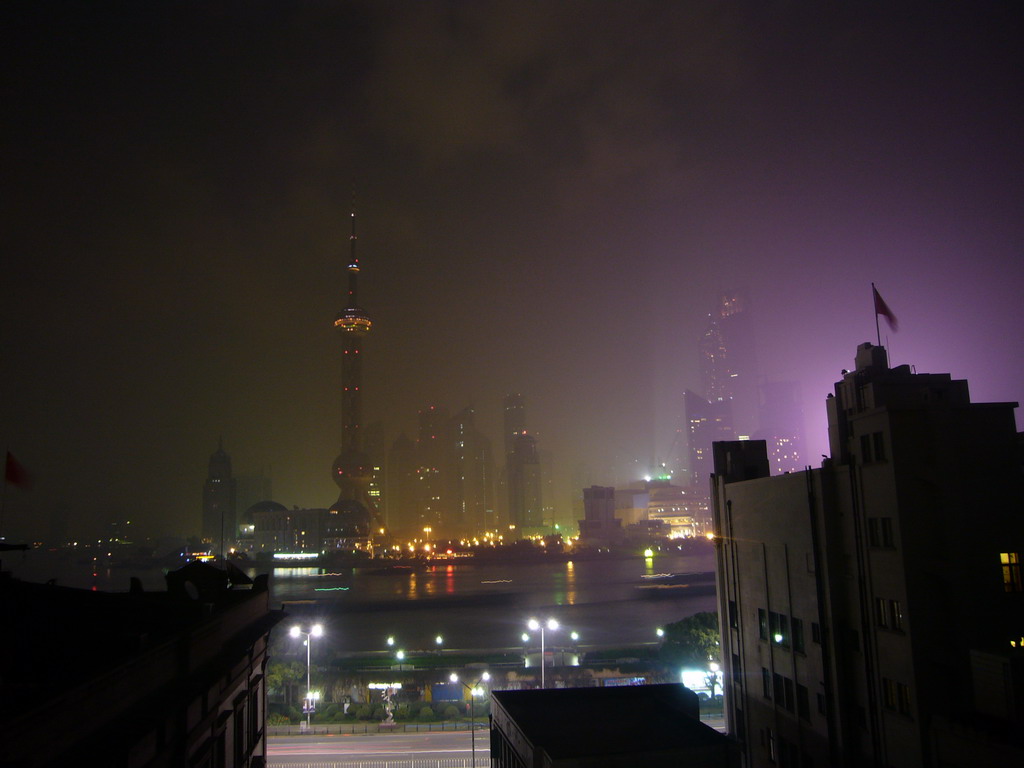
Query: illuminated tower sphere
x,y
354,515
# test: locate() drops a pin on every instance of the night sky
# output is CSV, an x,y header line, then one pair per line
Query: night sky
x,y
548,195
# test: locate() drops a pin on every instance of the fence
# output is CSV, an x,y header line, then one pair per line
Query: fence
x,y
394,762
322,729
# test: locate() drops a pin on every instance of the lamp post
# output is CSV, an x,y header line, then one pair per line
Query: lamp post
x,y
474,691
534,625
315,631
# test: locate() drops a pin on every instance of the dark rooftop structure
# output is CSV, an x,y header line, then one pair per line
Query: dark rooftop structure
x,y
135,678
650,725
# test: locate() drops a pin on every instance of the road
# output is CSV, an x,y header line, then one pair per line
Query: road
x,y
449,749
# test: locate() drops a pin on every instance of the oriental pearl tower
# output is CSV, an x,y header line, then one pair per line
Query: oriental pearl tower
x,y
354,517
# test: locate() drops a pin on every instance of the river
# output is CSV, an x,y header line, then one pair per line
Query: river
x,y
610,601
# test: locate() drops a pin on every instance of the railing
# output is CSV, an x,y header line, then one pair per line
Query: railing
x,y
322,729
394,762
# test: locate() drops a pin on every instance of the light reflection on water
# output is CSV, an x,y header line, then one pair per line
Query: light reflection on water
x,y
472,605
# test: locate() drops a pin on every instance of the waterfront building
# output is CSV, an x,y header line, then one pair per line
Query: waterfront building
x,y
434,470
473,510
401,515
872,610
599,526
219,497
523,475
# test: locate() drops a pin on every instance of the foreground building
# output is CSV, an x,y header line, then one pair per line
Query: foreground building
x,y
617,727
137,679
872,610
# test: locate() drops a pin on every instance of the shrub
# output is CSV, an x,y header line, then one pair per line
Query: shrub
x,y
425,713
364,712
276,718
378,712
451,712
403,712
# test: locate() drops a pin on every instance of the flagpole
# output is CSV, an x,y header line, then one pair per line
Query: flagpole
x,y
878,333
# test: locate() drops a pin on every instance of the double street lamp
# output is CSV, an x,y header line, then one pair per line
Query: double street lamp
x,y
534,625
315,631
474,691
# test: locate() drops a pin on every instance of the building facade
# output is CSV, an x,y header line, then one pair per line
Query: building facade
x,y
872,610
136,679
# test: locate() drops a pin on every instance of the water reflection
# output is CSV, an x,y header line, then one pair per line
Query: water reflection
x,y
296,573
570,582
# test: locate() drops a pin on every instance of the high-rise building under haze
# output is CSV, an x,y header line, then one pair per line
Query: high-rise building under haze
x,y
514,420
354,516
523,475
401,511
523,480
219,497
706,422
782,426
433,468
472,510
729,361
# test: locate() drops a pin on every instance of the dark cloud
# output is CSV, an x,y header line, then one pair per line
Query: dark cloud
x,y
549,194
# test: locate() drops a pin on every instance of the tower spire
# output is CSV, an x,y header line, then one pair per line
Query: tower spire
x,y
352,470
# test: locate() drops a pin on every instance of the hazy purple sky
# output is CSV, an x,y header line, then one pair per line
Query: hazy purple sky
x,y
549,194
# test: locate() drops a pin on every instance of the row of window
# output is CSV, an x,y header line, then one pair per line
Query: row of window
x,y
896,696
880,532
785,753
889,614
786,693
784,630
872,448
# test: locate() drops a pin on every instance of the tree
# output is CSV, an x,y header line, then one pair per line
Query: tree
x,y
281,675
692,642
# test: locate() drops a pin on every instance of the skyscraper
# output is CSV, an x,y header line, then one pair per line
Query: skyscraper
x,y
729,360
782,426
354,515
433,468
525,510
706,422
473,507
400,490
514,420
219,495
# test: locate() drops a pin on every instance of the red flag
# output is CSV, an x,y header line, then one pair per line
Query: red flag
x,y
881,308
15,473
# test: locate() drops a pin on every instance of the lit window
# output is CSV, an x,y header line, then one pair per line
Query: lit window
x,y
1011,571
881,614
896,615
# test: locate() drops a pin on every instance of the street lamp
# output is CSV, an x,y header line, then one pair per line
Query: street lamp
x,y
534,625
474,691
315,631
439,641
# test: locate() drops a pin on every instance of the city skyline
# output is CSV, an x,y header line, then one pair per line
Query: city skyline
x,y
551,197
